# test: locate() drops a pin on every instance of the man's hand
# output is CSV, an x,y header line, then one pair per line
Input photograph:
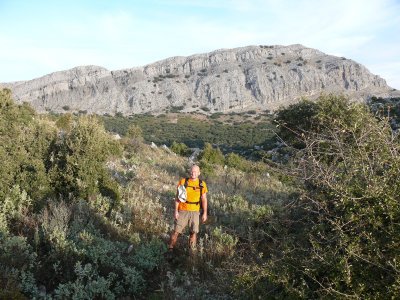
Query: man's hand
x,y
176,215
204,217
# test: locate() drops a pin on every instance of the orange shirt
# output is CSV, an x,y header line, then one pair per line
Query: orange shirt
x,y
193,194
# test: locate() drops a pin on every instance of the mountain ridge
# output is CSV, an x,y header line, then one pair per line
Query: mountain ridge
x,y
252,77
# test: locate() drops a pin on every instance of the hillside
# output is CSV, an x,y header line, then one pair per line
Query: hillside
x,y
86,216
240,79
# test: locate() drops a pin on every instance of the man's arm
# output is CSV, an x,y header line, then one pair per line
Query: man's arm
x,y
204,205
176,211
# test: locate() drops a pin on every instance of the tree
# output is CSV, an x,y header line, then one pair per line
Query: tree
x,y
295,120
65,122
135,133
340,236
210,157
78,159
234,160
25,139
180,149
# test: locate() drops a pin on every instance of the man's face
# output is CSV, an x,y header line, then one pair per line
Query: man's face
x,y
194,172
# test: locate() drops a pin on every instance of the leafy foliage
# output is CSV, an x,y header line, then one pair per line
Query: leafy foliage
x,y
23,150
195,132
78,157
339,237
295,120
180,149
83,215
210,157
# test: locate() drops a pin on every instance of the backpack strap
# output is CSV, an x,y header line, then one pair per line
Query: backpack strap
x,y
201,185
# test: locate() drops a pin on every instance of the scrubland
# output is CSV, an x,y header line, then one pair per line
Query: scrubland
x,y
86,216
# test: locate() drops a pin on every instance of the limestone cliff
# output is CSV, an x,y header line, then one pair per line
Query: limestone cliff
x,y
253,77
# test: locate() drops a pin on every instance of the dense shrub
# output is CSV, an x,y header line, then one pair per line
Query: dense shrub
x,y
234,160
78,158
180,149
25,140
294,121
134,132
210,157
338,238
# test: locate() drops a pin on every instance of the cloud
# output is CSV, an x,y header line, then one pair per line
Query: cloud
x,y
122,34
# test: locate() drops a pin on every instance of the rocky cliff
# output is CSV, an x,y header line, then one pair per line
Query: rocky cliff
x,y
253,77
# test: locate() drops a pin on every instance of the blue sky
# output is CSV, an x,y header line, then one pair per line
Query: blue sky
x,y
41,37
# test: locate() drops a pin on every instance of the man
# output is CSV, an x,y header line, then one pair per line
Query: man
x,y
188,213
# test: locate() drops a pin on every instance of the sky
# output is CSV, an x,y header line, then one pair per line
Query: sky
x,y
41,37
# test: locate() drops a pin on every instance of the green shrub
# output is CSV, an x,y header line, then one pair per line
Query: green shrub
x,y
331,241
134,132
295,120
13,206
149,256
74,171
204,108
180,149
222,243
18,262
25,140
176,109
211,155
208,158
88,285
234,160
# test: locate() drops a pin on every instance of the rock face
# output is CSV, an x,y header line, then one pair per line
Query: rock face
x,y
253,77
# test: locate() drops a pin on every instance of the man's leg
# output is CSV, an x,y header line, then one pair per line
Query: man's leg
x,y
173,239
192,241
194,229
180,225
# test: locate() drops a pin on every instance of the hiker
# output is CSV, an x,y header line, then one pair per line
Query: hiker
x,y
191,195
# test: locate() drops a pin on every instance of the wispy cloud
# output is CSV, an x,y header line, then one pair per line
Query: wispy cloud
x,y
122,34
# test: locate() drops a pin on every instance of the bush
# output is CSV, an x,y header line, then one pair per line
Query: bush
x,y
79,156
134,132
211,155
18,262
25,140
13,206
296,120
331,241
234,160
88,285
176,109
180,149
221,245
150,256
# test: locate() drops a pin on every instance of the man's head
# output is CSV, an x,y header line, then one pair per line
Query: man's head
x,y
194,172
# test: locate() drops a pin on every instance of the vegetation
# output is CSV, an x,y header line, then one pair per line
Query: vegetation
x,y
180,149
86,216
194,132
386,108
338,235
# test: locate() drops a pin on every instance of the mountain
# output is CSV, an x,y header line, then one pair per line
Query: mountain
x,y
253,77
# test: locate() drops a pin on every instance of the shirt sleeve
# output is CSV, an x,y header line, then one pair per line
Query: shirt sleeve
x,y
205,189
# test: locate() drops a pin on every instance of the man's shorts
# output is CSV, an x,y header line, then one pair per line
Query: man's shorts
x,y
191,218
